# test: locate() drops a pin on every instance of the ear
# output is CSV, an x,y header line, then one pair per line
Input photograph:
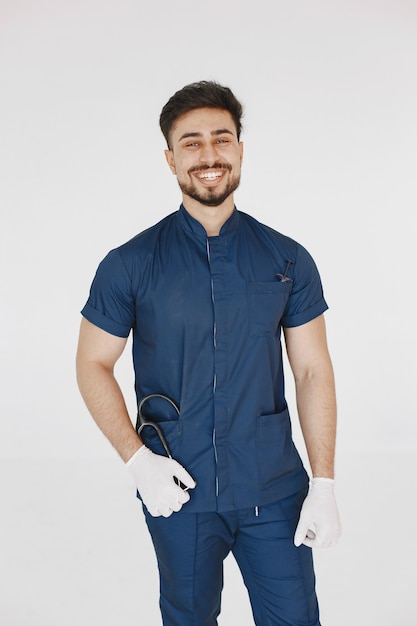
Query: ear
x,y
241,150
169,155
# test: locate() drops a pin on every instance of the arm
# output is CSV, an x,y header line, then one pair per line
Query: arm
x,y
97,354
319,524
315,392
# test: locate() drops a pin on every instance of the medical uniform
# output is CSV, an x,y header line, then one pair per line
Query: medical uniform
x,y
206,315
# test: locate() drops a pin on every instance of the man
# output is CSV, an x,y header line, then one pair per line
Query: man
x,y
206,293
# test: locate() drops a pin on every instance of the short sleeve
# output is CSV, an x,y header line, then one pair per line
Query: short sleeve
x,y
306,301
111,305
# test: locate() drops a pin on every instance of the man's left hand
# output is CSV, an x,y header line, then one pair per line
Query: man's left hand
x,y
319,525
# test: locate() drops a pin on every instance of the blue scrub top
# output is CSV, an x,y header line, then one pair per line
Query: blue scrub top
x,y
206,315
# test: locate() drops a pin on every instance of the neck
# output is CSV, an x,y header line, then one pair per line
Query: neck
x,y
211,218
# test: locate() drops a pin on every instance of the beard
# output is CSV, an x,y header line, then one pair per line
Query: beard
x,y
210,196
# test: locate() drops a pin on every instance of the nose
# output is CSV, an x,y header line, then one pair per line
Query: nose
x,y
208,154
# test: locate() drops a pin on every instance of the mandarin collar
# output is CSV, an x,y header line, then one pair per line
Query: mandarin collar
x,y
193,226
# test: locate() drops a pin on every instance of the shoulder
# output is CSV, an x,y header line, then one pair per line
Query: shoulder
x,y
280,247
143,245
148,238
128,259
269,235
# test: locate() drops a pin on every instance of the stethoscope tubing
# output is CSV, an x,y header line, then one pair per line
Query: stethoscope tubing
x,y
142,421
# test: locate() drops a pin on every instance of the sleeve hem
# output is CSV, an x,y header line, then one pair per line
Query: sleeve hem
x,y
305,316
105,323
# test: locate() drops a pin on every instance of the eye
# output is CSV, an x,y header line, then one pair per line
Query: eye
x,y
223,140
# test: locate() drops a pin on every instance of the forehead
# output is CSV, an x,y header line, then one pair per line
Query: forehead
x,y
205,121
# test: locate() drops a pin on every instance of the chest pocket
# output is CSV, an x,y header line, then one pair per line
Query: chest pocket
x,y
266,305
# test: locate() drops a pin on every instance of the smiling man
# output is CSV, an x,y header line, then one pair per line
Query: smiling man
x,y
206,161
207,293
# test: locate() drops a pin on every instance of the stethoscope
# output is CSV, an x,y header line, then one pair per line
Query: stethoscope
x,y
142,421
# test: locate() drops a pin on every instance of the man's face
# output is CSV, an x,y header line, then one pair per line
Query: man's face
x,y
205,155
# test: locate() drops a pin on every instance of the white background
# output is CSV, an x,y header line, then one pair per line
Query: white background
x,y
330,132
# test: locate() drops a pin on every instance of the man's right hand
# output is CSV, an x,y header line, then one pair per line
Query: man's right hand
x,y
155,476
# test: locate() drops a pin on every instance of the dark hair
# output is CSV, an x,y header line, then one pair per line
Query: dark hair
x,y
196,96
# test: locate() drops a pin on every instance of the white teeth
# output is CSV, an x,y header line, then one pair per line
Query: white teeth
x,y
210,175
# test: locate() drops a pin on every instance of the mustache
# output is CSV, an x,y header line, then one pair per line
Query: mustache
x,y
216,166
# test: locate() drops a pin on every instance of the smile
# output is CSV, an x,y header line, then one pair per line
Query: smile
x,y
209,175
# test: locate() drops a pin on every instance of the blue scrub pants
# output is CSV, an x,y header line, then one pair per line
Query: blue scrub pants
x,y
191,548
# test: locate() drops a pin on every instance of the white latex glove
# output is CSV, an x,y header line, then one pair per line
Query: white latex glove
x,y
154,477
319,525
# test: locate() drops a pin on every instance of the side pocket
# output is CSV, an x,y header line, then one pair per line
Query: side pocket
x,y
276,452
266,305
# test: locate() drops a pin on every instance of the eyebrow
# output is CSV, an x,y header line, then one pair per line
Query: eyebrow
x,y
220,131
